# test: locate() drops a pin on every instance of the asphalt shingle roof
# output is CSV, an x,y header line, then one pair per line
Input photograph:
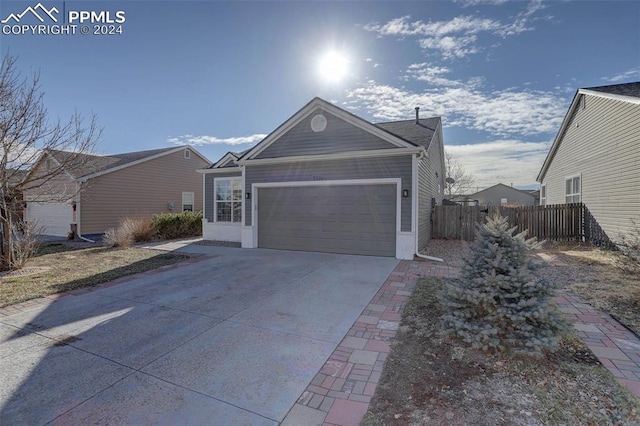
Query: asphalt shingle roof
x,y
79,165
419,134
625,89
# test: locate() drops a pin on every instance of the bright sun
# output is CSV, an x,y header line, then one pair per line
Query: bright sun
x,y
333,66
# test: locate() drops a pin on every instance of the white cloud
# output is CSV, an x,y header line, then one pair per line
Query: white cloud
x,y
457,37
507,113
450,47
212,140
502,161
633,73
428,73
468,3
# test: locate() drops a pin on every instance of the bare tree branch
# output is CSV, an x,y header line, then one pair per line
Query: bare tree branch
x,y
27,136
458,180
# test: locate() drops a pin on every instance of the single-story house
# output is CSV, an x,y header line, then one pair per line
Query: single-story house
x,y
595,157
327,180
95,191
503,195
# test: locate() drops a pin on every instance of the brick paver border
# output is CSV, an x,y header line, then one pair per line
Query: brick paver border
x,y
617,348
340,393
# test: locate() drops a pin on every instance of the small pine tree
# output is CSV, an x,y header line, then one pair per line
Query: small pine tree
x,y
498,303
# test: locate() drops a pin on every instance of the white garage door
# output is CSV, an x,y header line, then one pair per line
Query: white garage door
x,y
52,218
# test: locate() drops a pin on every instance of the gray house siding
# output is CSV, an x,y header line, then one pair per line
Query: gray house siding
x,y
602,145
349,219
209,189
493,196
357,168
431,178
339,136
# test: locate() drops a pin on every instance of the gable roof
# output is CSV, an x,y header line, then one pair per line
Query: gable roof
x,y
398,140
626,92
502,185
84,166
15,176
224,161
626,89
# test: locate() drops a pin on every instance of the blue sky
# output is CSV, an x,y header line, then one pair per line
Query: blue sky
x,y
221,75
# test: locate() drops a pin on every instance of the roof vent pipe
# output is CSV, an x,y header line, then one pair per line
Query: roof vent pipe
x,y
417,115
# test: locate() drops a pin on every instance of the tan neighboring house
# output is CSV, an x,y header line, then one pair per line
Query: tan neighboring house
x,y
96,191
595,157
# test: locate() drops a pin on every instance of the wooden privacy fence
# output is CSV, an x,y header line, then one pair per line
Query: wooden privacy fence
x,y
561,222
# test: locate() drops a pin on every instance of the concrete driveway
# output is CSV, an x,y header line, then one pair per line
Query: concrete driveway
x,y
231,339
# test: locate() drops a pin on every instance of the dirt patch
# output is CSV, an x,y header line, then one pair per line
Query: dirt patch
x,y
29,270
607,280
430,379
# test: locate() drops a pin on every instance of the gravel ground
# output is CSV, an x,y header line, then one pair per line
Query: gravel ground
x,y
451,251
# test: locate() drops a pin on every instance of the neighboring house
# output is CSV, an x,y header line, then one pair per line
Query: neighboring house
x,y
14,198
95,192
536,196
329,181
595,157
503,195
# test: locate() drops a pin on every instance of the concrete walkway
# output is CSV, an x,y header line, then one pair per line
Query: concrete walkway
x,y
232,337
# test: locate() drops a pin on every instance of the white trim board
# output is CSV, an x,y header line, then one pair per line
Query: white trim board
x,y
391,152
235,169
623,98
350,182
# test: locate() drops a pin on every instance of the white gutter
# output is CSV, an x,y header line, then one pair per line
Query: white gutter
x,y
418,157
78,198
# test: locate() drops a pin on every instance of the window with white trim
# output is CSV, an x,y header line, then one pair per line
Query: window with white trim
x,y
187,201
228,200
543,194
187,154
572,189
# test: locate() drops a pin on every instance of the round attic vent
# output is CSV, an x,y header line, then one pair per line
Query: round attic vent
x,y
318,123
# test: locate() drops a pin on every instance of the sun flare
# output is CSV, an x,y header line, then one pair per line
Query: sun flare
x,y
333,66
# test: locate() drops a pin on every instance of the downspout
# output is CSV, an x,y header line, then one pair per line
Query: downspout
x,y
78,211
417,253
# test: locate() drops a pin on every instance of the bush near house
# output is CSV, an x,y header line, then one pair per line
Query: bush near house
x,y
170,226
130,230
499,303
164,226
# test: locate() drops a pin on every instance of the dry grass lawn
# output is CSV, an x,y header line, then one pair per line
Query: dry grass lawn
x,y
608,280
58,267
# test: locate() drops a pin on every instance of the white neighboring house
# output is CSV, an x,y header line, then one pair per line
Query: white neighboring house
x,y
595,157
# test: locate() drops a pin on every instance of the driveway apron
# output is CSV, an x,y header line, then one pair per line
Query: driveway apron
x,y
234,338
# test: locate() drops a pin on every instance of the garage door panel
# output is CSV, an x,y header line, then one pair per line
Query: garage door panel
x,y
350,219
53,218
